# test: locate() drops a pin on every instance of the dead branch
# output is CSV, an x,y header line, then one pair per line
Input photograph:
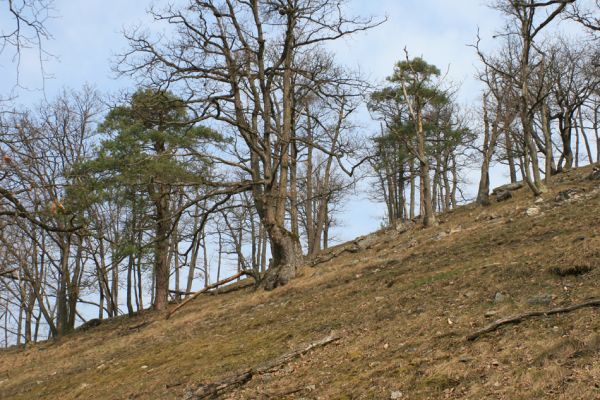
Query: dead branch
x,y
353,247
520,318
215,389
206,289
139,326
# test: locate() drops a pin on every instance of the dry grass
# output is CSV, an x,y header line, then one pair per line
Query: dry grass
x,y
402,307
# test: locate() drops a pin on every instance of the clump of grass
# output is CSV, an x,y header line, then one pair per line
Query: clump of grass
x,y
575,270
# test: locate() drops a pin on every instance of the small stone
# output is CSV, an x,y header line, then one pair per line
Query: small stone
x,y
84,385
490,314
533,211
144,367
500,297
464,359
539,200
379,298
385,346
311,388
396,395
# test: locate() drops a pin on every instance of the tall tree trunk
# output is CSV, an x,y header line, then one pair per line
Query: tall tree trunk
x,y
549,157
161,249
413,191
512,168
285,246
585,138
429,214
62,309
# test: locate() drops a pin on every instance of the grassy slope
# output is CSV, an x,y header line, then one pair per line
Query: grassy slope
x,y
402,306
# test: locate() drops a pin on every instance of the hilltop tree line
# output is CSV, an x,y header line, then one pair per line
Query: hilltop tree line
x,y
237,149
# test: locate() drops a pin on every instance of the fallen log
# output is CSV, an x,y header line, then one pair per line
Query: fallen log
x,y
521,317
206,289
215,389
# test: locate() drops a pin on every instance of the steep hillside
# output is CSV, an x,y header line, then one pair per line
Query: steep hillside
x,y
398,306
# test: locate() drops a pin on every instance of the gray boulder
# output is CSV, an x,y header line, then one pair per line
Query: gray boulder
x,y
511,187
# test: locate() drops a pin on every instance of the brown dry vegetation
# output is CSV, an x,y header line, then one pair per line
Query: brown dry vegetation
x,y
402,305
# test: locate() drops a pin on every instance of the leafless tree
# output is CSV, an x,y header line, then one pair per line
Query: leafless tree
x,y
235,62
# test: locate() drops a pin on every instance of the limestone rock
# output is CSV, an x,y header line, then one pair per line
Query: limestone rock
x,y
508,188
500,297
594,175
503,196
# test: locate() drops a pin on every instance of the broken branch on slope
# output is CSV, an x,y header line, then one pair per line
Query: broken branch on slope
x,y
521,317
214,389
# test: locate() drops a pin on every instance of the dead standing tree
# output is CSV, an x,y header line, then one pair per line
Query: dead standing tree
x,y
234,61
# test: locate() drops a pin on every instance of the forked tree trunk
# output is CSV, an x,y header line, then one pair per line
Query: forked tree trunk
x,y
287,257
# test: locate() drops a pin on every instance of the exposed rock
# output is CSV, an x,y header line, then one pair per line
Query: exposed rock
x,y
503,196
500,297
396,395
508,188
487,217
594,175
533,211
441,235
402,227
92,323
458,229
365,242
569,194
540,300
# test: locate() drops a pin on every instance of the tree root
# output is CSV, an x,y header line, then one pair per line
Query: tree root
x,y
520,318
215,389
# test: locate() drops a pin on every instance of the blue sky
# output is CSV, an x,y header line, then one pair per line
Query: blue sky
x,y
88,33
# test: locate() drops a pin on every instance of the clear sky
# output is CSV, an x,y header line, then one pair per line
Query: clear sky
x,y
88,33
